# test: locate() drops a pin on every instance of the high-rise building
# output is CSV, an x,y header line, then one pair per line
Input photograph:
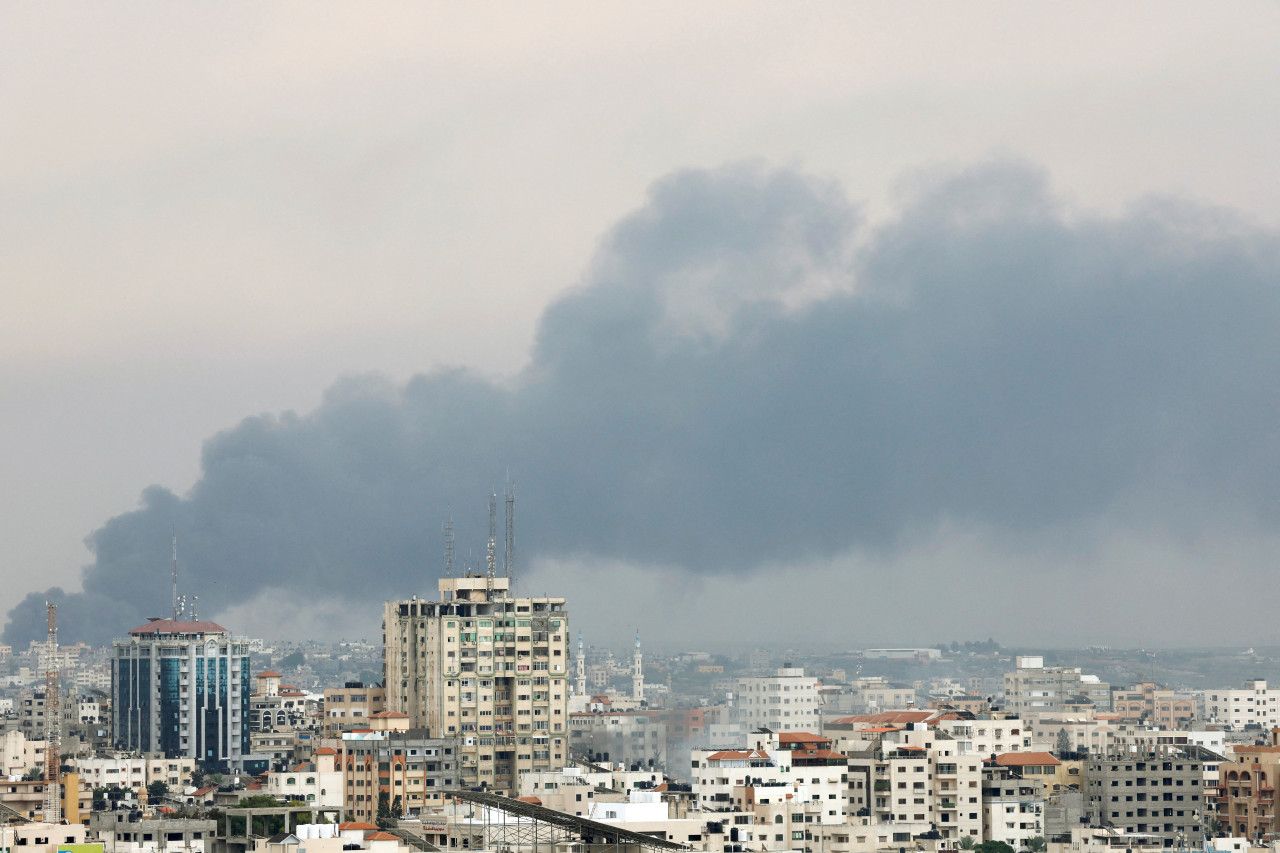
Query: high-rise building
x,y
487,667
182,689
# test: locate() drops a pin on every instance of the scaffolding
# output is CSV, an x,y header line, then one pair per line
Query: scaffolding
x,y
516,826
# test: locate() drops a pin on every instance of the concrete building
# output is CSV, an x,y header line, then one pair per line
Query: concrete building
x,y
409,766
487,667
182,689
133,772
626,738
1153,705
40,837
786,701
785,769
911,780
1034,687
277,707
1245,794
18,755
1012,805
350,707
1159,793
119,834
315,782
1255,704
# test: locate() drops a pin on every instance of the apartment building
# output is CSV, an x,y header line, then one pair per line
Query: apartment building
x,y
277,707
1012,805
350,707
786,701
487,667
410,767
1034,687
788,768
1158,793
1154,705
133,772
912,778
1254,704
1245,795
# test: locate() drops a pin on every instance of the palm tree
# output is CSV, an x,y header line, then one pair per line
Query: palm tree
x,y
1036,845
967,843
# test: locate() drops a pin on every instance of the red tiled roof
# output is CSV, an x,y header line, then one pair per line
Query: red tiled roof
x,y
1022,759
268,674
325,750
207,789
531,800
380,836
354,824
168,626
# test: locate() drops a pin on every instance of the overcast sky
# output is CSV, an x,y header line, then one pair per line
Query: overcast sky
x,y
1023,255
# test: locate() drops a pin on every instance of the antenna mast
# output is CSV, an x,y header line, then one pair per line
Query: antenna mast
x,y
448,547
491,558
52,726
509,559
175,573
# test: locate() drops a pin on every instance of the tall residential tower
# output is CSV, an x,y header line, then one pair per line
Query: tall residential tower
x,y
487,667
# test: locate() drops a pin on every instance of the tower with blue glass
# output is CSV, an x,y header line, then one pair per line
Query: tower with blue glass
x,y
182,689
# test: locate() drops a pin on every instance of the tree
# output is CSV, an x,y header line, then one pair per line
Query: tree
x,y
1064,742
967,842
293,661
1036,845
397,809
35,774
993,847
156,791
384,808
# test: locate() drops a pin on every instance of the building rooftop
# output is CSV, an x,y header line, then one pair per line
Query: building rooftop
x,y
169,626
1023,759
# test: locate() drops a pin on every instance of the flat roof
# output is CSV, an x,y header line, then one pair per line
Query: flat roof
x,y
580,825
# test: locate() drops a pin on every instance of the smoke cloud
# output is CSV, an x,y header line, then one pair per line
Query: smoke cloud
x,y
748,377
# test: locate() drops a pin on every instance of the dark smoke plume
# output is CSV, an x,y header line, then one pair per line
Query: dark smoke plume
x,y
736,382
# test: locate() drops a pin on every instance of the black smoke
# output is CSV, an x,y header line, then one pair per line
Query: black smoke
x,y
746,375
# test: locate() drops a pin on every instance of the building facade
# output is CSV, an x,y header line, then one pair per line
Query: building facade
x,y
1034,687
487,667
182,689
786,701
1158,793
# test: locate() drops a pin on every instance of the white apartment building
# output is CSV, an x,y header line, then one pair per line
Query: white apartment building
x,y
487,667
786,701
133,772
19,755
1254,703
316,782
987,734
1012,807
913,779
795,768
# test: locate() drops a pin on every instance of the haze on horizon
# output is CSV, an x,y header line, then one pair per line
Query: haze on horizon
x,y
876,323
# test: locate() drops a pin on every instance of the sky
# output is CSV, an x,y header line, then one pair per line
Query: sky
x,y
788,310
